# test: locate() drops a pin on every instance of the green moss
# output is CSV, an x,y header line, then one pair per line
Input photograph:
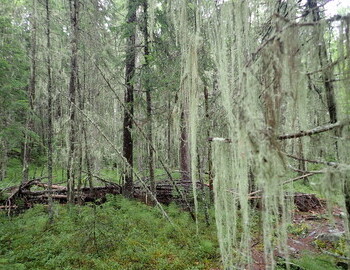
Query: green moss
x,y
299,229
119,234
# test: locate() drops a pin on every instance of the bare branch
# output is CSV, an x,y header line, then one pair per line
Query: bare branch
x,y
286,182
333,164
313,131
298,134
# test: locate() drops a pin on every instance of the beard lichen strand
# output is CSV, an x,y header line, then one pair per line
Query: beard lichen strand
x,y
193,116
188,40
344,142
343,98
231,163
225,205
245,120
270,94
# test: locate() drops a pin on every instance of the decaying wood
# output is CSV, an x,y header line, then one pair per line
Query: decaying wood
x,y
26,196
306,202
303,202
22,197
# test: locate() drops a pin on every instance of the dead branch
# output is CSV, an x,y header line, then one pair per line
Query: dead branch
x,y
305,172
285,182
103,180
302,133
333,164
314,131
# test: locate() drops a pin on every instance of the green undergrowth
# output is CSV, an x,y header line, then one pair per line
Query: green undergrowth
x,y
310,261
119,234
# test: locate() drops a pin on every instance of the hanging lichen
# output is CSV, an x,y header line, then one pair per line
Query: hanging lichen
x,y
266,70
264,94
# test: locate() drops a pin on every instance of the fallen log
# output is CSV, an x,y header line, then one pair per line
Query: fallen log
x,y
52,186
165,194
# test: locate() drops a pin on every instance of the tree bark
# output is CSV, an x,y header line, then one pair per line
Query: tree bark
x,y
73,85
210,163
185,165
87,150
25,151
169,137
31,93
129,97
49,111
148,99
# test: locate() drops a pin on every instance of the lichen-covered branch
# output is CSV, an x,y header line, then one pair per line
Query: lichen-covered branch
x,y
302,133
314,131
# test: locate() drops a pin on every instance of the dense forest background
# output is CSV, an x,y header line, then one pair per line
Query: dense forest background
x,y
211,120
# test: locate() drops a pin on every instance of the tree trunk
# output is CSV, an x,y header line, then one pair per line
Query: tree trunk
x,y
210,163
25,152
81,130
49,111
84,129
169,141
148,99
185,165
327,73
129,97
31,94
73,85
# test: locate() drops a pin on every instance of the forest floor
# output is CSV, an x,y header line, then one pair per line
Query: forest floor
x,y
121,234
315,240
314,235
